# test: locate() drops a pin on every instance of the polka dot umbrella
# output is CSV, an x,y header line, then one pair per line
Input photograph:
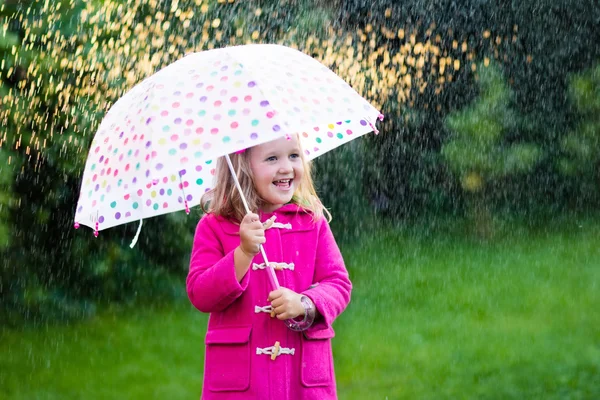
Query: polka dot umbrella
x,y
154,150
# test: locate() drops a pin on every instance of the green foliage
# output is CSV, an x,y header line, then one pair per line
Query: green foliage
x,y
7,200
340,187
403,172
578,158
8,40
49,271
584,91
581,146
479,143
48,53
537,45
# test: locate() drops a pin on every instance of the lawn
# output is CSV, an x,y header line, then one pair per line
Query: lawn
x,y
435,314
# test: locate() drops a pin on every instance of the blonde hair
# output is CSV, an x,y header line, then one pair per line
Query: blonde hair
x,y
224,199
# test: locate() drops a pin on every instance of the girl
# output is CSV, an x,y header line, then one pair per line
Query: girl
x,y
250,353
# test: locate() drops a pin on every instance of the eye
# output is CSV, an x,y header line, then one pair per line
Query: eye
x,y
294,155
271,159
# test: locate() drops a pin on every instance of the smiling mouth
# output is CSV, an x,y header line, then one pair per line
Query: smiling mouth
x,y
283,183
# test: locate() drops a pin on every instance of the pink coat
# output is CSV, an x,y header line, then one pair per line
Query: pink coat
x,y
240,331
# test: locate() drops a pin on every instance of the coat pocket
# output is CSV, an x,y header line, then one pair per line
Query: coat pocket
x,y
317,359
227,361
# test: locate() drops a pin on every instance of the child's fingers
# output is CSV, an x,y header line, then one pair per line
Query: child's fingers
x,y
252,228
283,316
258,231
274,294
255,226
250,218
278,303
283,311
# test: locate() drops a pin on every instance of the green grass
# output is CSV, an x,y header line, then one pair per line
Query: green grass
x,y
433,316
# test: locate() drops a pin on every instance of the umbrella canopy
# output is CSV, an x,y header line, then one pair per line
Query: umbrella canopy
x,y
153,152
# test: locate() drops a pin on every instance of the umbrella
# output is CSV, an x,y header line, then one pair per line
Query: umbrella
x,y
153,152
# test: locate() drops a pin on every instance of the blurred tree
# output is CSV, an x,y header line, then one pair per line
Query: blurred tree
x,y
49,270
537,44
63,64
8,41
484,148
580,160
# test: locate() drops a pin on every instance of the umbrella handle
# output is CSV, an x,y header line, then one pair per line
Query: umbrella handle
x,y
295,326
270,271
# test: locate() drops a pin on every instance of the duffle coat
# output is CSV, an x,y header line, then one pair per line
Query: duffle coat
x,y
241,335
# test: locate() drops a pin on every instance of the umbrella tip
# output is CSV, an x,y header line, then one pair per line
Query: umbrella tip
x,y
373,127
76,225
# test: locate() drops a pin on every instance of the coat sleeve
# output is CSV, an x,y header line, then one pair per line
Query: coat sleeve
x,y
211,283
331,295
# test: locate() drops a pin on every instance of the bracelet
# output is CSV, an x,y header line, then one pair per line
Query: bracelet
x,y
309,316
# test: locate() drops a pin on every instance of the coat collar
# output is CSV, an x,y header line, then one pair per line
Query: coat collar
x,y
299,218
289,208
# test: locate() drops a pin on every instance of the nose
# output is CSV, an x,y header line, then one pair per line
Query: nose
x,y
285,166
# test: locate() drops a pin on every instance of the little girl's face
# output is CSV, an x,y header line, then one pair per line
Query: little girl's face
x,y
277,169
